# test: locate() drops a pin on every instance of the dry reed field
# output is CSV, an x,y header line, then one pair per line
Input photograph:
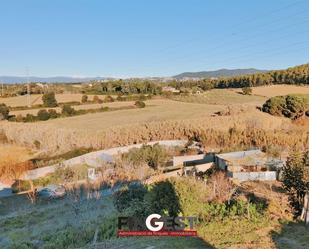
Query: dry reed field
x,y
136,126
278,90
10,151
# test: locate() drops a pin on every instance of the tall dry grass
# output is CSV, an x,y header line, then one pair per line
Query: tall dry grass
x,y
252,128
13,161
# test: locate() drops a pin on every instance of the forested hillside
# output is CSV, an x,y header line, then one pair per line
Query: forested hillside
x,y
294,75
219,73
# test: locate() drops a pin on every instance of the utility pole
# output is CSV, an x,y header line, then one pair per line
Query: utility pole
x,y
2,91
28,90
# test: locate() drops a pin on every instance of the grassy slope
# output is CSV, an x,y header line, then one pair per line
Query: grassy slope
x,y
57,223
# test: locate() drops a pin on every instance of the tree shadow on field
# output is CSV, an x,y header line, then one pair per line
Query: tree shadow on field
x,y
158,198
165,201
292,235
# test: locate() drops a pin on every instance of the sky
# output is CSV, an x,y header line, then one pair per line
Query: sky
x,y
137,38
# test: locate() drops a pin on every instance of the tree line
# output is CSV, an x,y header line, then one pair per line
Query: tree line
x,y
295,75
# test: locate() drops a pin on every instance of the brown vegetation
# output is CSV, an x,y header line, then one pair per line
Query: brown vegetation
x,y
13,162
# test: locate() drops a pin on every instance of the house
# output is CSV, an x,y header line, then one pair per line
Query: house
x,y
249,165
192,164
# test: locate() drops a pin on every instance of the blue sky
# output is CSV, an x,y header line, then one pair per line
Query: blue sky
x,y
127,38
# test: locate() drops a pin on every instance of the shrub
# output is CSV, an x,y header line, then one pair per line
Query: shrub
x,y
43,115
84,98
67,110
295,107
109,99
19,118
49,99
155,156
20,186
4,111
275,106
120,98
37,144
53,113
96,99
128,195
140,104
295,180
247,90
289,106
30,118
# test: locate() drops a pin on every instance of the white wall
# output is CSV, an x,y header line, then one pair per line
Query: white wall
x,y
254,176
95,159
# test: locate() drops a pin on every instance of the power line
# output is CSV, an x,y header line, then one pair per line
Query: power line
x,y
256,34
267,13
259,33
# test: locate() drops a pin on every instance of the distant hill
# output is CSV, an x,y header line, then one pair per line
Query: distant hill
x,y
63,79
219,73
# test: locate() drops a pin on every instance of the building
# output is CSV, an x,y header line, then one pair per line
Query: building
x,y
249,165
192,164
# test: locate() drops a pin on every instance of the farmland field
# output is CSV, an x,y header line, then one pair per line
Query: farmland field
x,y
222,97
278,90
36,99
77,107
156,110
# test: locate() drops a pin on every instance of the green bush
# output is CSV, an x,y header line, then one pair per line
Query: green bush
x,y
49,99
4,111
140,104
155,156
290,106
53,113
128,195
43,115
67,174
30,118
67,110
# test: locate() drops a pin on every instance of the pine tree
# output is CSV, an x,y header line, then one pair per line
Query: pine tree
x,y
294,182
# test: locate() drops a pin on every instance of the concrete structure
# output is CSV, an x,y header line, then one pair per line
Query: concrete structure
x,y
254,176
95,159
192,164
249,165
